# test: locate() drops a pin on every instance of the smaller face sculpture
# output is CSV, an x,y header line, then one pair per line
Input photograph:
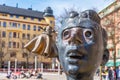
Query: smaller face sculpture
x,y
81,46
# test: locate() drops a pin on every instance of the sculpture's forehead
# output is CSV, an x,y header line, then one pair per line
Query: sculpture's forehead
x,y
84,24
88,24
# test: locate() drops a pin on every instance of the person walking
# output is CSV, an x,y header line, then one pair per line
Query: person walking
x,y
105,73
118,73
111,73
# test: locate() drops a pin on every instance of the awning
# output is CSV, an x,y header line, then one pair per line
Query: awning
x,y
111,63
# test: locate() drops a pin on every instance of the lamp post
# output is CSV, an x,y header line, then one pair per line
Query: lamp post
x,y
35,63
15,65
8,67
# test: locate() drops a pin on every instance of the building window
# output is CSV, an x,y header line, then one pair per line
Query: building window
x,y
24,17
14,44
51,22
4,24
14,35
24,55
11,16
118,52
10,44
14,25
10,34
10,24
34,35
34,28
39,19
39,28
18,35
32,18
17,16
12,54
118,26
3,44
4,15
24,26
23,45
28,36
3,34
28,28
23,36
18,25
18,45
0,23
118,14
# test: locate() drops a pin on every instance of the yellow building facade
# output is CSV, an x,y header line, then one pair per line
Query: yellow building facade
x,y
17,27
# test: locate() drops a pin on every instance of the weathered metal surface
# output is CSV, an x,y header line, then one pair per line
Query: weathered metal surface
x,y
81,45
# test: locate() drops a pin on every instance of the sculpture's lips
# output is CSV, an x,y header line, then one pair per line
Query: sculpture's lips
x,y
75,56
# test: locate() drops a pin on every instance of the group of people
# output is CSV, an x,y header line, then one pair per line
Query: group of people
x,y
24,74
109,73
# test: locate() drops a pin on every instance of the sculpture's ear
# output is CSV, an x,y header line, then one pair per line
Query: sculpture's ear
x,y
106,51
105,57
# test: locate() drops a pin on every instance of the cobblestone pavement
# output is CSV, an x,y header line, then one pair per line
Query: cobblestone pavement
x,y
46,76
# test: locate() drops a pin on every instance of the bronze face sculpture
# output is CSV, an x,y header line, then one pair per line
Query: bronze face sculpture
x,y
81,45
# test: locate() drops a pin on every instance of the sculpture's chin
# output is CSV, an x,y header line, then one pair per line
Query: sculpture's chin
x,y
73,69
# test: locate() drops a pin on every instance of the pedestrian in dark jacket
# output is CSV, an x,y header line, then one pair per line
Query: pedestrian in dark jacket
x,y
111,73
118,73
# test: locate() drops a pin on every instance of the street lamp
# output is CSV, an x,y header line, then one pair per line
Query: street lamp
x,y
15,65
35,63
8,67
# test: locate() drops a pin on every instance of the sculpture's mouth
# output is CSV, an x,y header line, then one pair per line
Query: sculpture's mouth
x,y
76,56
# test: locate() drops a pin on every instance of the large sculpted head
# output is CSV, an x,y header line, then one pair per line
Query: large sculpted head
x,y
82,45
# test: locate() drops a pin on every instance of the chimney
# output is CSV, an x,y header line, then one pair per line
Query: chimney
x,y
17,5
29,8
4,4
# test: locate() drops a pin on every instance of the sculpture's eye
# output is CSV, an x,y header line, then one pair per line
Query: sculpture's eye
x,y
66,34
88,34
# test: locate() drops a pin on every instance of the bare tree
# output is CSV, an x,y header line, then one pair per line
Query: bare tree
x,y
65,14
2,53
114,40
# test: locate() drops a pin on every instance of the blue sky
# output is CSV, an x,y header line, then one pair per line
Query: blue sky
x,y
58,5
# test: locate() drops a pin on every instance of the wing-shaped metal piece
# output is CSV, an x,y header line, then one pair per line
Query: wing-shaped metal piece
x,y
43,45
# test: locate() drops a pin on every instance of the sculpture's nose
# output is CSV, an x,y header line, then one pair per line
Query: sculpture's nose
x,y
73,36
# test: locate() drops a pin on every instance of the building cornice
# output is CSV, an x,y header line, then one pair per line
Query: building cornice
x,y
109,9
23,21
